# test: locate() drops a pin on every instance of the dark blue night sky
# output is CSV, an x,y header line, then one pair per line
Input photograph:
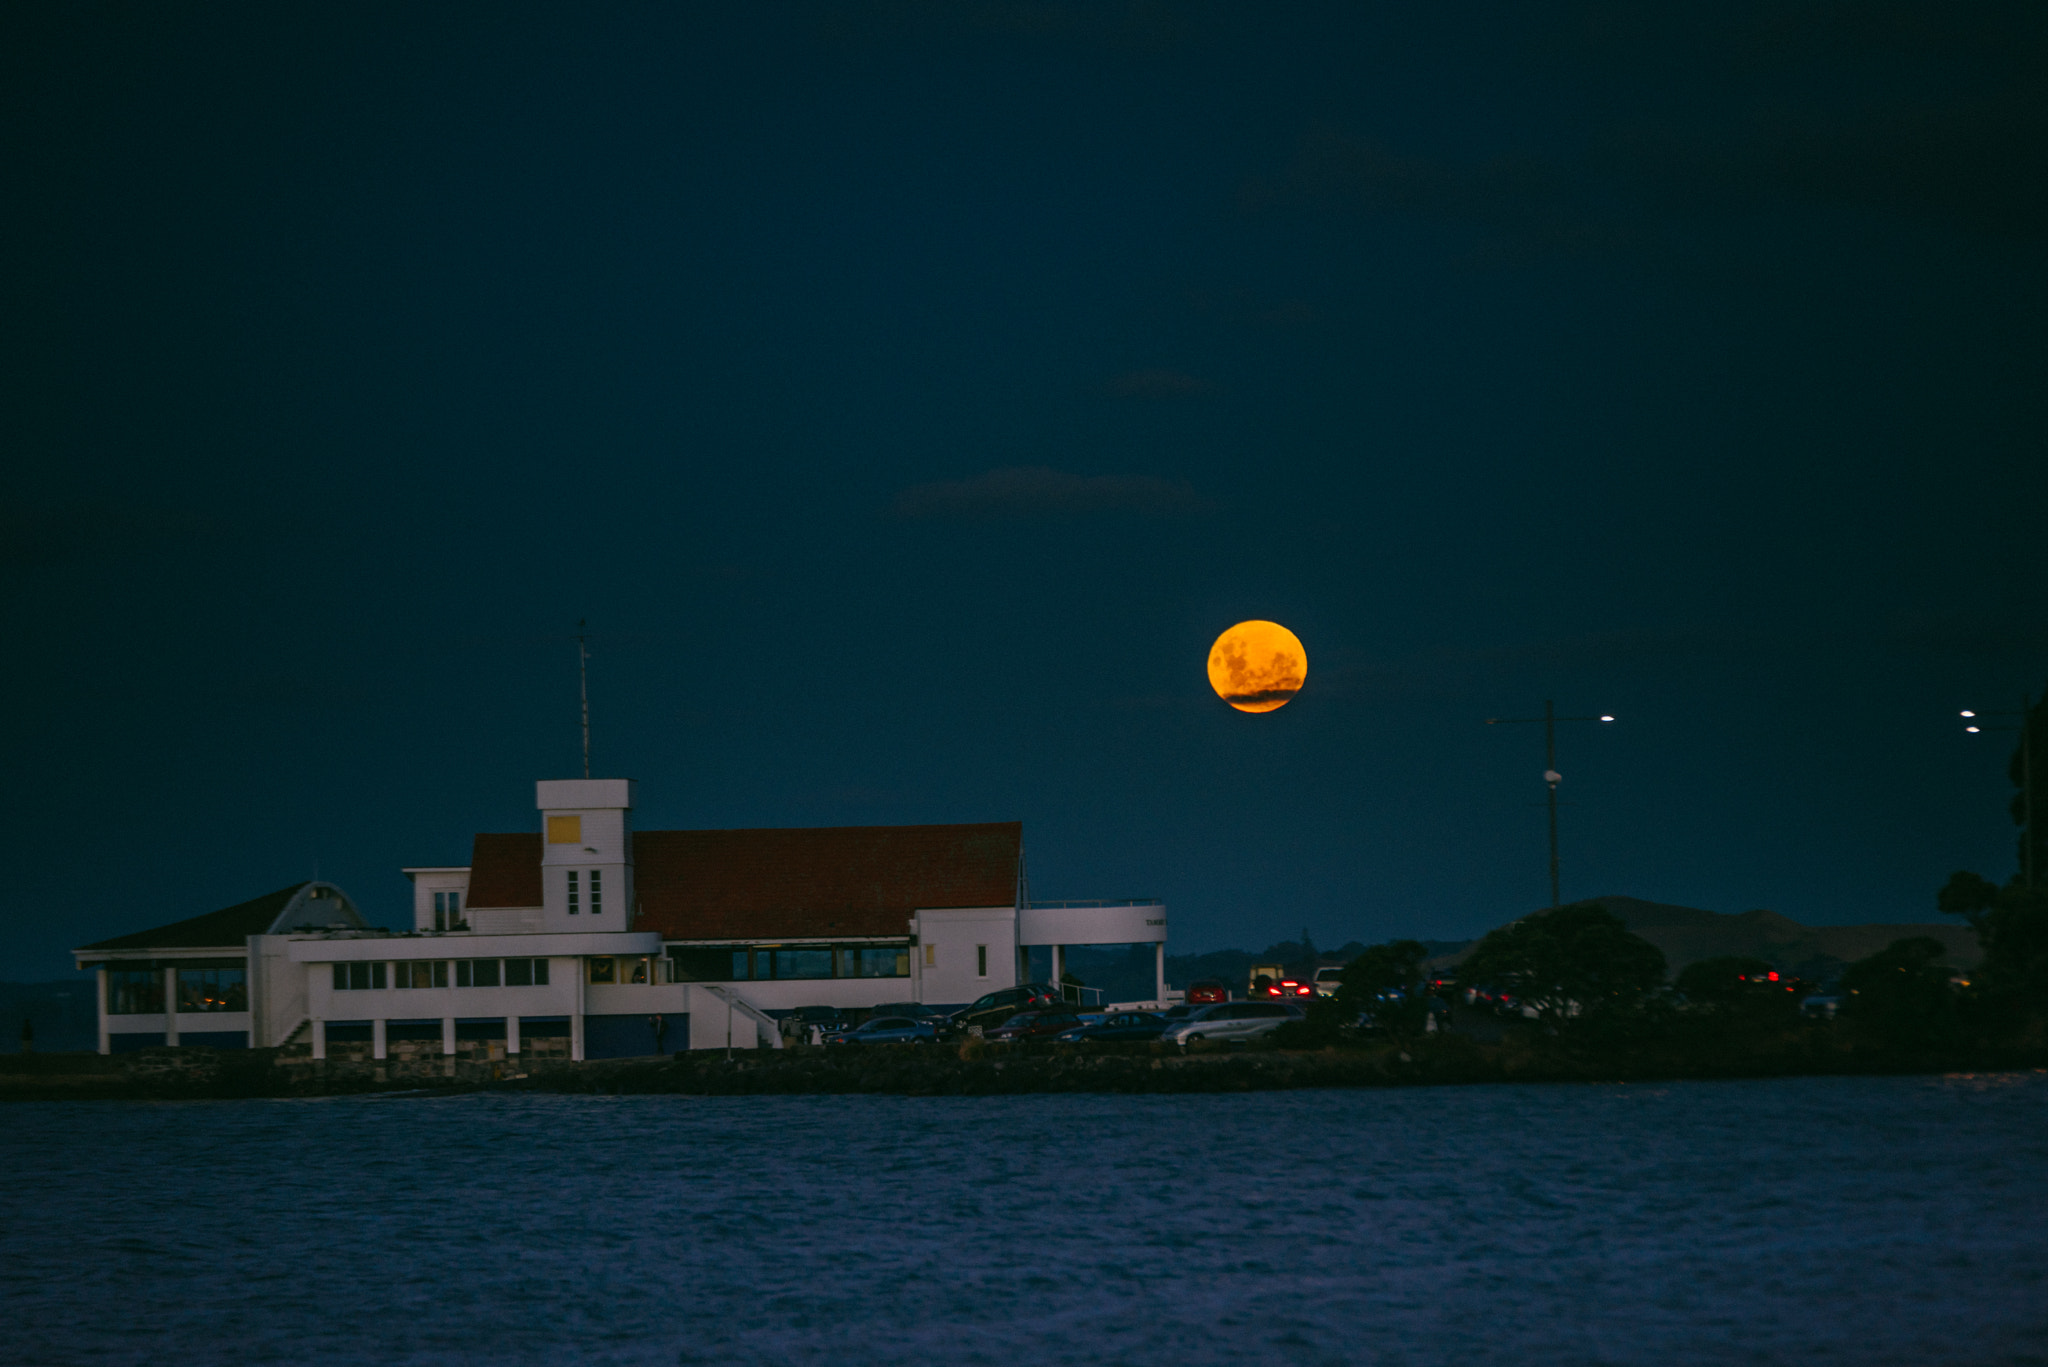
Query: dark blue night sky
x,y
908,393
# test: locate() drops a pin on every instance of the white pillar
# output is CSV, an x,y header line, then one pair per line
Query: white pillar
x,y
1058,967
581,970
377,1040
106,1035
1159,972
170,1006
447,1036
319,1039
511,1036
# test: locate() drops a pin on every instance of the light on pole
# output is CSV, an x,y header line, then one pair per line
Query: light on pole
x,y
1550,719
2026,730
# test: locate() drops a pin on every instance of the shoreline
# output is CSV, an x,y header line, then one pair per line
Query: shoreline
x,y
199,1073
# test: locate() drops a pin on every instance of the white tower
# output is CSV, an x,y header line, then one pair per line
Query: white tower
x,y
587,855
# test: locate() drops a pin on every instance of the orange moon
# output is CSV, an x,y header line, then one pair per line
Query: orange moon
x,y
1257,666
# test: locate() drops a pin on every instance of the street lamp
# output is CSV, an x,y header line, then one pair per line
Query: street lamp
x,y
2026,730
1550,719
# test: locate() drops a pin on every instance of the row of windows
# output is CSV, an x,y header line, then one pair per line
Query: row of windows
x,y
138,989
360,977
769,963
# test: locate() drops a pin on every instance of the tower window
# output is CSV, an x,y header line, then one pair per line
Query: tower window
x,y
573,905
981,961
596,892
565,830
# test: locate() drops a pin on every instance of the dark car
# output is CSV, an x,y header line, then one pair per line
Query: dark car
x,y
918,1011
1124,1026
997,1007
887,1030
1206,990
1026,1026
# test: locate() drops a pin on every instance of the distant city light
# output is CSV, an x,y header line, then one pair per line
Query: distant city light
x,y
1607,719
1970,728
1969,714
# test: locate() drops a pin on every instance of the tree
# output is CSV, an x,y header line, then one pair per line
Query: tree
x,y
1369,979
1902,993
1579,958
1967,895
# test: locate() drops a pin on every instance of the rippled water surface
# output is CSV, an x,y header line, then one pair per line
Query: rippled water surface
x,y
1813,1221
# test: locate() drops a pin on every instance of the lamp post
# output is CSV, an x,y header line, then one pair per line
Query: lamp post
x,y
2026,730
1550,719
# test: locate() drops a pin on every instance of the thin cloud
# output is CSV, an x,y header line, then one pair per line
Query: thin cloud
x,y
1039,491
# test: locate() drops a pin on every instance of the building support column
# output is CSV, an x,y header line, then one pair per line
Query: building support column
x,y
170,1006
377,1040
106,1035
447,1036
1159,971
582,971
319,1039
1059,968
511,1036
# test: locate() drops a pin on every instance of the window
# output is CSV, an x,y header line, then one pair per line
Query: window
x,y
483,973
448,911
981,961
417,973
803,963
603,970
135,990
565,830
742,965
931,956
572,893
637,969
526,972
222,987
690,965
596,892
358,977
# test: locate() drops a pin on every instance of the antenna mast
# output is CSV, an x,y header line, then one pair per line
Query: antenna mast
x,y
583,686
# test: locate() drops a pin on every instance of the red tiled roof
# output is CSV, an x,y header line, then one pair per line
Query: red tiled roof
x,y
781,882
504,870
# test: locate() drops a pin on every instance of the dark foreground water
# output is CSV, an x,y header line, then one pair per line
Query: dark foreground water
x,y
1812,1221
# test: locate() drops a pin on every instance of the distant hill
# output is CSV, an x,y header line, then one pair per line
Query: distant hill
x,y
1689,934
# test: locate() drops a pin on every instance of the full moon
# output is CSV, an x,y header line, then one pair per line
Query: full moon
x,y
1257,666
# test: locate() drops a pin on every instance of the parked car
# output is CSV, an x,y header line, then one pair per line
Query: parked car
x,y
1026,1026
1126,1026
918,1011
1232,1022
887,1030
1205,990
1328,980
998,1007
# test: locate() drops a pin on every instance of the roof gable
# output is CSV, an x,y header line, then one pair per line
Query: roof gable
x,y
504,870
782,882
228,926
818,881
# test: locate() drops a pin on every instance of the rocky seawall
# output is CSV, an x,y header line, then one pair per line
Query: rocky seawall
x,y
200,1073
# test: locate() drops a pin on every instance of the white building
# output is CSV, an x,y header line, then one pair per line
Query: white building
x,y
610,942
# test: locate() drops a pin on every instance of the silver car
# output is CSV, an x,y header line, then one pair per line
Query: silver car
x,y
1231,1021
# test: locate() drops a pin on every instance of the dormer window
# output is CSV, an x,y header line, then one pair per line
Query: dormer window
x,y
448,911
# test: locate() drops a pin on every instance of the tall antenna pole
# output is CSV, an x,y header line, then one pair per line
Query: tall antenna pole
x,y
1553,778
2027,784
583,687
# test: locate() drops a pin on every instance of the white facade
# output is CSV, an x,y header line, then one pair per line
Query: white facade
x,y
573,965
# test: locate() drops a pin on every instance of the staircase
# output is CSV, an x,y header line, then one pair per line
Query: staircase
x,y
767,1032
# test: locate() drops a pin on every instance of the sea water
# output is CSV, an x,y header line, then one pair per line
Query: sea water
x,y
1812,1221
